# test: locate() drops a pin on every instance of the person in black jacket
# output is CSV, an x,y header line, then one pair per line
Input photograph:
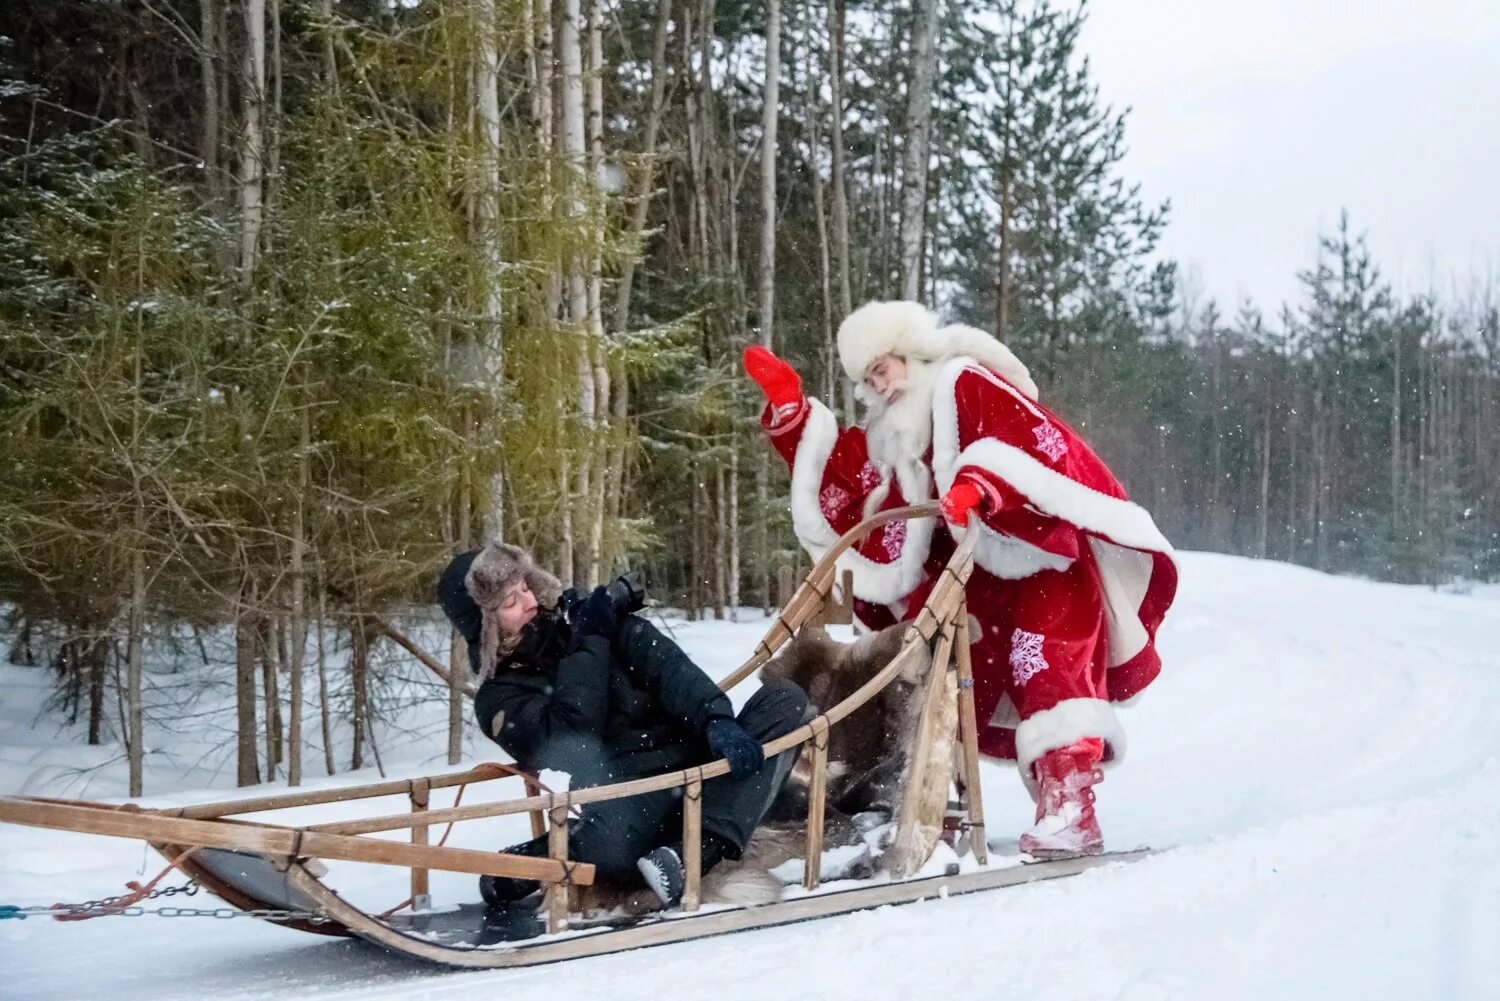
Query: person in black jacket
x,y
578,684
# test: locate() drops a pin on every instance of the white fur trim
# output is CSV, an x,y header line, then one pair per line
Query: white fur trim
x,y
1008,557
882,583
1124,574
961,341
1121,521
813,451
1066,723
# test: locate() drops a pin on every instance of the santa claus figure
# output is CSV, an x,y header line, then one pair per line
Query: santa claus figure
x,y
1071,579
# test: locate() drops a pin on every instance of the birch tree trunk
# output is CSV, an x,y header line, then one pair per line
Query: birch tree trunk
x,y
836,144
814,135
914,163
330,64
208,57
487,221
768,148
271,174
544,77
252,148
597,349
641,208
571,41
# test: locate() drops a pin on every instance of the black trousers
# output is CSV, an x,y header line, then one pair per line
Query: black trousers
x,y
612,835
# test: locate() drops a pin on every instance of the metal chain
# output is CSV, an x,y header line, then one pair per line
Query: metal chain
x,y
84,911
111,907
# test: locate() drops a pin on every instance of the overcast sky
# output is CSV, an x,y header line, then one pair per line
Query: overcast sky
x,y
1260,119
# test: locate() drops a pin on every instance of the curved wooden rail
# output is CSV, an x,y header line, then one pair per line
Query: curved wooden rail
x,y
810,596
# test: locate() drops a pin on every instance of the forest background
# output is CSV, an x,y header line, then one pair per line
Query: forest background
x,y
298,298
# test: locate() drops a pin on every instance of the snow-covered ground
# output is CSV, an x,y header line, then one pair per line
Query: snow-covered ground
x,y
1321,756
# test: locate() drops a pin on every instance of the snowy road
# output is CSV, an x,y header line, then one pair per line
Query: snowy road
x,y
1322,753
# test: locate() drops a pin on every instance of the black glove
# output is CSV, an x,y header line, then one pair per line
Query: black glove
x,y
728,740
595,615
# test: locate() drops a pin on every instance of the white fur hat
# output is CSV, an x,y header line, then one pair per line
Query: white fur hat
x,y
911,330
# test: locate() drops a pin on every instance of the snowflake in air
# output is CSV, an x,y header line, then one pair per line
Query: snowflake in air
x,y
1050,441
1026,659
832,501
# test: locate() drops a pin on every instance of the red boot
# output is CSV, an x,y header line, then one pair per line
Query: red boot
x,y
1065,821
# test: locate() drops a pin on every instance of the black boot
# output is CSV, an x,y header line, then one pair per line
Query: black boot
x,y
498,891
666,875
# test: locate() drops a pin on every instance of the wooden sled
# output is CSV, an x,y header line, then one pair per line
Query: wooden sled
x,y
273,869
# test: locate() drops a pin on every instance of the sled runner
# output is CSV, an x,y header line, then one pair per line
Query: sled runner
x,y
273,871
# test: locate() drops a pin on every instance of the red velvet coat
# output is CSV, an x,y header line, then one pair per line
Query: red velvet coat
x,y
1071,578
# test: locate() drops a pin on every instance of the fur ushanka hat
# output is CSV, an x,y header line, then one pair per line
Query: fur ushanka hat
x,y
497,567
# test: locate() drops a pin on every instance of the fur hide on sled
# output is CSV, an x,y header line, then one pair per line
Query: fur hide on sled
x,y
867,767
868,752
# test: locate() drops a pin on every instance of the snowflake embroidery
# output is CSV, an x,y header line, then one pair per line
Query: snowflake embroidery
x,y
1026,658
869,476
894,538
832,501
1050,441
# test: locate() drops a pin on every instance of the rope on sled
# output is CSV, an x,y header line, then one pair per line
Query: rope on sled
x,y
116,905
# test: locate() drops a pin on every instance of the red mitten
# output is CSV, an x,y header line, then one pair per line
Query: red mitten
x,y
776,378
961,498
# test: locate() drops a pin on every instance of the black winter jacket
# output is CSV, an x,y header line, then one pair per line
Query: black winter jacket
x,y
603,712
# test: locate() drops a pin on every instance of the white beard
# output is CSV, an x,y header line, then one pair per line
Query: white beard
x,y
899,433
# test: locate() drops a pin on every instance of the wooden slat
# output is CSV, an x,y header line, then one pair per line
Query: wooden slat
x,y
969,730
917,755
557,893
287,842
419,802
692,843
817,792
398,787
538,817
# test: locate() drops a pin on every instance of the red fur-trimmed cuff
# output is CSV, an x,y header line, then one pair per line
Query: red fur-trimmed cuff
x,y
1066,723
785,418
